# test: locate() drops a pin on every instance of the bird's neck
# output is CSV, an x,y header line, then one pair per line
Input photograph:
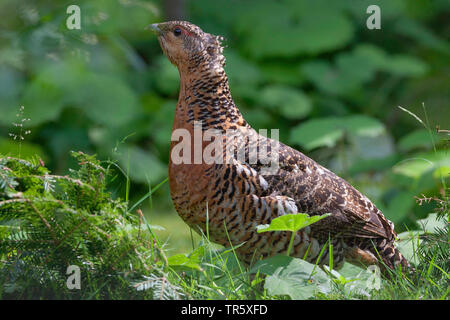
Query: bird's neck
x,y
205,97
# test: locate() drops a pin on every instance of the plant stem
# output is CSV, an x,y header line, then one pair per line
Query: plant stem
x,y
291,242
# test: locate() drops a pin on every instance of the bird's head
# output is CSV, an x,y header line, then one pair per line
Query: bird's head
x,y
186,45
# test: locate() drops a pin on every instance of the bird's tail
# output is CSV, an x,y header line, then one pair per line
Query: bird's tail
x,y
380,252
391,257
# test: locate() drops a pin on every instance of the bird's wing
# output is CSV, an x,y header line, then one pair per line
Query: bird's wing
x,y
317,190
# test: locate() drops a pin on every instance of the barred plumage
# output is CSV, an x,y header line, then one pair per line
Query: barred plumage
x,y
238,194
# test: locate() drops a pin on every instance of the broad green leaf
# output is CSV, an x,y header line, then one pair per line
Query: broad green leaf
x,y
362,125
349,270
420,138
242,72
282,73
244,75
420,164
106,100
291,222
322,132
166,77
191,261
293,277
326,132
351,70
410,240
347,74
399,64
373,55
285,32
314,39
354,68
442,172
373,164
292,103
405,65
379,145
430,223
44,100
408,244
400,206
142,164
324,76
180,260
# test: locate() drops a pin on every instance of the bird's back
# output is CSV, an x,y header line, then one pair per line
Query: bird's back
x,y
233,196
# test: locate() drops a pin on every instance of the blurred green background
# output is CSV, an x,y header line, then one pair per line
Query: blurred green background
x,y
309,68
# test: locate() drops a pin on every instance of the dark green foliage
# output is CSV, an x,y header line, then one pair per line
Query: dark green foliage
x,y
50,222
435,247
309,68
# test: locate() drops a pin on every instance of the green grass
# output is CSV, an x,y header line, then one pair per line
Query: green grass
x,y
172,231
212,272
209,271
48,222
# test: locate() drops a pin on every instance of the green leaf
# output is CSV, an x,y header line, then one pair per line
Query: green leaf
x,y
405,65
191,261
289,31
142,164
315,39
431,223
293,277
373,164
420,164
244,75
362,125
282,73
27,150
322,132
408,244
326,132
324,76
410,240
166,76
420,138
105,99
352,69
292,103
183,261
241,71
291,222
365,146
400,206
399,64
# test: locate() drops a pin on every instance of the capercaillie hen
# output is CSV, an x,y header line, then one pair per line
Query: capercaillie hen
x,y
236,194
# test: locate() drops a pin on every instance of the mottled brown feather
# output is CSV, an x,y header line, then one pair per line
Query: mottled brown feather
x,y
238,195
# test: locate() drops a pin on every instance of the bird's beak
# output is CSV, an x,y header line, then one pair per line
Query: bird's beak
x,y
154,28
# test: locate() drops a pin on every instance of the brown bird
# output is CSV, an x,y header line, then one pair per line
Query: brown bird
x,y
234,194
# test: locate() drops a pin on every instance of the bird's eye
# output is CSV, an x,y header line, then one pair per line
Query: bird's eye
x,y
177,32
